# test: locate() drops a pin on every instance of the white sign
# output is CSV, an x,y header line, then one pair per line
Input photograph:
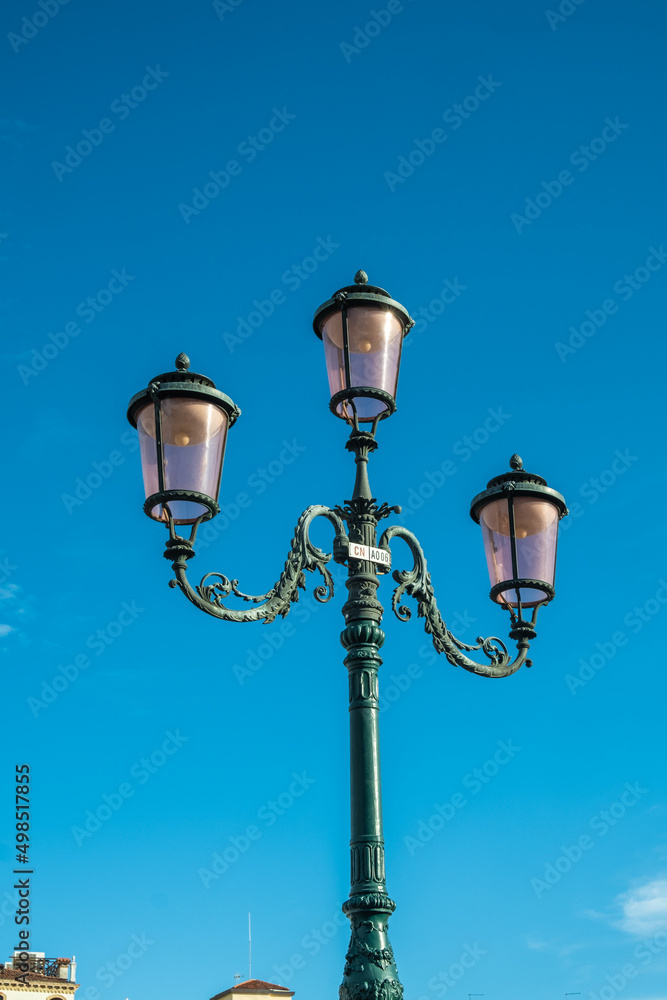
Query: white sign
x,y
358,551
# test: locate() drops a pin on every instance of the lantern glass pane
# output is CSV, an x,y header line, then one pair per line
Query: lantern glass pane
x,y
536,526
375,338
193,438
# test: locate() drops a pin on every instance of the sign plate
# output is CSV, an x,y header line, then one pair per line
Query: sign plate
x,y
379,556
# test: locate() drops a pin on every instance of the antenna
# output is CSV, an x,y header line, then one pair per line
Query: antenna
x,y
249,949
476,995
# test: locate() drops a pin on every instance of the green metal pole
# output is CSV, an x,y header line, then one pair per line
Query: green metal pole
x,y
370,971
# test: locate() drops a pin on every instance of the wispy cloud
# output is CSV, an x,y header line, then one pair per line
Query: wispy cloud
x,y
13,132
644,909
561,948
15,611
538,945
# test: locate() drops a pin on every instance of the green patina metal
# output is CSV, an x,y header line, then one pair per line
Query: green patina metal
x,y
370,970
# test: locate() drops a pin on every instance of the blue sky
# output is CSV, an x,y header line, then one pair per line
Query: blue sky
x,y
497,167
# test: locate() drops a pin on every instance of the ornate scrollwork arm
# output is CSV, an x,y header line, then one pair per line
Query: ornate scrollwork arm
x,y
416,582
303,555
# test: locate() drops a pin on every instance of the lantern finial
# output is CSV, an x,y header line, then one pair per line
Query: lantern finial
x,y
516,462
182,362
361,278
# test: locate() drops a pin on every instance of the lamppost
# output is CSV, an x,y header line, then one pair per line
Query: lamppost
x,y
183,421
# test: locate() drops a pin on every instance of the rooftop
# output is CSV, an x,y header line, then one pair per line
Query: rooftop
x,y
36,977
255,986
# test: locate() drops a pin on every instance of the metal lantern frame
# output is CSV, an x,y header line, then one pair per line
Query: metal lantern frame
x,y
179,384
360,294
370,970
509,486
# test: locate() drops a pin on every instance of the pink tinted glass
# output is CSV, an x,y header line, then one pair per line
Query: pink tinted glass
x,y
193,438
536,525
375,337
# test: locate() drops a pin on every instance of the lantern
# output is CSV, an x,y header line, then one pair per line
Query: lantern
x,y
519,516
362,329
182,421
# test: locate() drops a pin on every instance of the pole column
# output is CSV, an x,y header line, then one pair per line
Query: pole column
x,y
370,971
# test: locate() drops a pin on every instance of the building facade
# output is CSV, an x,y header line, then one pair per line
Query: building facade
x,y
47,978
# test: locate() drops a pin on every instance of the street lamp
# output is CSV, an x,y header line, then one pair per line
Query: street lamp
x,y
183,420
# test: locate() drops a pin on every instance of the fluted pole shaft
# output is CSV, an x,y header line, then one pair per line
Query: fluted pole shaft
x,y
370,971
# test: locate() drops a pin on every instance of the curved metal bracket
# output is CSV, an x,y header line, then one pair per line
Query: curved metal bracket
x,y
416,582
303,555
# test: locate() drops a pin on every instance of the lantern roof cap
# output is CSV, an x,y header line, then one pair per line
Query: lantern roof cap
x,y
360,294
517,475
182,382
183,374
519,483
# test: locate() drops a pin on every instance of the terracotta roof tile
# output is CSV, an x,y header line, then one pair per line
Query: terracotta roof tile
x,y
36,977
254,986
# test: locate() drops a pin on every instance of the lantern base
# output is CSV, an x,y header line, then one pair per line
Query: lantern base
x,y
182,496
499,588
366,392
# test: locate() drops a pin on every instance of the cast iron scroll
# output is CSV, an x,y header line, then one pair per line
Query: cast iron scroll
x,y
416,582
303,555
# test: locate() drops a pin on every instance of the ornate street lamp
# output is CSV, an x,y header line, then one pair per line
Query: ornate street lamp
x,y
519,516
183,421
362,329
